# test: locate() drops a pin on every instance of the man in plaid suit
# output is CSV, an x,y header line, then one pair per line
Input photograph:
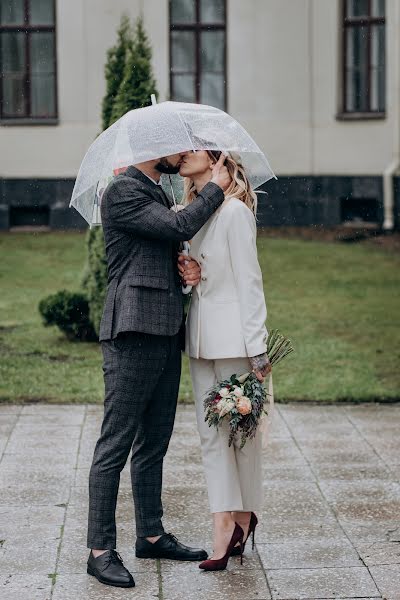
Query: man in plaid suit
x,y
141,335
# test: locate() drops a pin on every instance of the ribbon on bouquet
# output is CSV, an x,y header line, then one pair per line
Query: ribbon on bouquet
x,y
266,420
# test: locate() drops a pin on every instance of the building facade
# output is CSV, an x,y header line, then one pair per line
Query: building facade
x,y
316,82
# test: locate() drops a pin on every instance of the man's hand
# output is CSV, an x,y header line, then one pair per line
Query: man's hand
x,y
261,366
189,272
220,174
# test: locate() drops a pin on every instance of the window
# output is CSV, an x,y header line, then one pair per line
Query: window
x,y
198,51
27,60
364,56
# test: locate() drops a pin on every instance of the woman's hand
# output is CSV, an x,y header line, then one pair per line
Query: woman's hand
x,y
261,366
220,174
189,270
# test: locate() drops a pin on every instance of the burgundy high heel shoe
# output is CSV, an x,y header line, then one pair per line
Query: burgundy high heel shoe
x,y
252,529
219,564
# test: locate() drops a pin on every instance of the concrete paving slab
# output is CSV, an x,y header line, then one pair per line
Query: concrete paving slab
x,y
62,464
367,490
34,488
65,410
282,529
352,472
85,587
308,554
279,452
7,422
294,500
52,419
383,510
290,584
38,445
370,531
30,551
273,473
379,553
334,451
19,587
387,579
187,582
16,518
10,409
3,444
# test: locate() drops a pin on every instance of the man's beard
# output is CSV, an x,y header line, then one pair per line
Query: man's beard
x,y
163,166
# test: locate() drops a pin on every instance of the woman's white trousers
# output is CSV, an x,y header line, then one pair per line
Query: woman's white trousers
x,y
233,475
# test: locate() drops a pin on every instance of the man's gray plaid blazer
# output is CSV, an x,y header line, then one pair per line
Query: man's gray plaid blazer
x,y
140,334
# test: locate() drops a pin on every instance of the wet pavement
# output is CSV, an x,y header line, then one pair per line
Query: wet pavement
x,y
329,528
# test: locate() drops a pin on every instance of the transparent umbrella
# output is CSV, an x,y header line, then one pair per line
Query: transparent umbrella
x,y
156,131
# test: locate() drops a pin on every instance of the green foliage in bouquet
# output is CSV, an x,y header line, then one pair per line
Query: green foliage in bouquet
x,y
278,347
70,313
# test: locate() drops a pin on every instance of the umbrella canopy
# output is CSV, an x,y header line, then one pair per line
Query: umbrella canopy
x,y
156,131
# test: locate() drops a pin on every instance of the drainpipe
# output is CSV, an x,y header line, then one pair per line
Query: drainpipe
x,y
388,191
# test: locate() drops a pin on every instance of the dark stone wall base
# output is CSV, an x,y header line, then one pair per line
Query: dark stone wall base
x,y
321,200
298,201
38,202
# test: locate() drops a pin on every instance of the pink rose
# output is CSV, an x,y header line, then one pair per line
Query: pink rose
x,y
243,405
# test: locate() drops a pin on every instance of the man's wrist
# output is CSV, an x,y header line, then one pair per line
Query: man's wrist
x,y
213,191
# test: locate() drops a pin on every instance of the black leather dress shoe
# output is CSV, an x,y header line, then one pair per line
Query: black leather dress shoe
x,y
168,547
109,569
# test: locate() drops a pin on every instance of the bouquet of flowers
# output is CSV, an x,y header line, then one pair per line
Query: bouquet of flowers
x,y
240,399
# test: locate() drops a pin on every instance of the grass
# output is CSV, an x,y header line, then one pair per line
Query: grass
x,y
338,303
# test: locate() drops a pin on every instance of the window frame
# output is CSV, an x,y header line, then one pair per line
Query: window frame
x,y
362,21
27,29
197,28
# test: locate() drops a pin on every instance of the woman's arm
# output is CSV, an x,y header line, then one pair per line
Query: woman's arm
x,y
241,232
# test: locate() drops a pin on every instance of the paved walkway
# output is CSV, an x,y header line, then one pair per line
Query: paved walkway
x,y
330,527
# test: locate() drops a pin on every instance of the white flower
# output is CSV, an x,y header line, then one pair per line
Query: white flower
x,y
238,392
226,407
223,392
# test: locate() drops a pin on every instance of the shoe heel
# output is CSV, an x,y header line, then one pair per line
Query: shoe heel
x,y
89,571
252,539
241,551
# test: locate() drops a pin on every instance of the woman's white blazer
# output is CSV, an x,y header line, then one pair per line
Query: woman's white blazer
x,y
227,312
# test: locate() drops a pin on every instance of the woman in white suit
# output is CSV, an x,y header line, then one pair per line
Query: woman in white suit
x,y
226,334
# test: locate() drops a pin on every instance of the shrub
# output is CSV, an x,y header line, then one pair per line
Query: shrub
x,y
69,311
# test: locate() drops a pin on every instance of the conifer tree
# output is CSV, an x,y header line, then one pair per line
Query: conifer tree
x,y
138,82
114,69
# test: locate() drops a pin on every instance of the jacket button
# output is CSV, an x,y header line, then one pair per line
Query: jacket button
x,y
202,255
204,278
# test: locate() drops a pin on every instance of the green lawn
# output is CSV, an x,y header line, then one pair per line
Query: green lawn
x,y
339,304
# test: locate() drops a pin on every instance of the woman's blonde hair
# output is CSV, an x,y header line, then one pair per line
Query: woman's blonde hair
x,y
240,187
